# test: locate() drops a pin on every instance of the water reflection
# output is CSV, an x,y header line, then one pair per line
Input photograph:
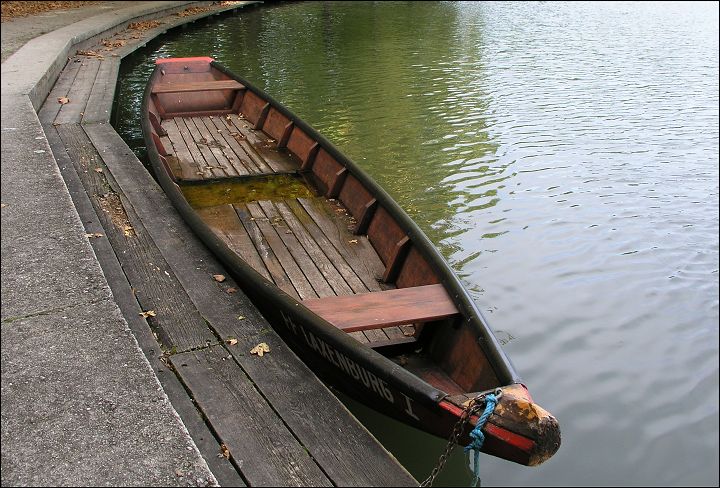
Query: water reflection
x,y
564,157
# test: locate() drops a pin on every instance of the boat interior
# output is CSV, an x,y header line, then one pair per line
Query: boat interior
x,y
299,217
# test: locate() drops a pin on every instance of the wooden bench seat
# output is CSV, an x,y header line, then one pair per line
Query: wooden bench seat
x,y
381,309
198,86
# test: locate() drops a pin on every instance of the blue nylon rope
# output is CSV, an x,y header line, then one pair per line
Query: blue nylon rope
x,y
477,436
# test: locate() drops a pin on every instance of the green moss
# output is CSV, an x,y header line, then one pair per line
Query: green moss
x,y
215,193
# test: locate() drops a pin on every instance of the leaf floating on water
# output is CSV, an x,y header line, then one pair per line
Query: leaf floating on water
x,y
94,234
231,340
219,278
148,313
260,349
63,100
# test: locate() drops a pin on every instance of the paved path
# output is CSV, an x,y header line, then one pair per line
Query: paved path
x,y
18,31
81,405
80,402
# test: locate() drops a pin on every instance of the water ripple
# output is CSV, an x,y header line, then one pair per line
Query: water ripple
x,y
564,157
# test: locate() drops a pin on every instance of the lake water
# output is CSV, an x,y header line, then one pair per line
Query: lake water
x,y
564,158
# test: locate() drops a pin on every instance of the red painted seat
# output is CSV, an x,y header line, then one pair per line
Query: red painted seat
x,y
380,309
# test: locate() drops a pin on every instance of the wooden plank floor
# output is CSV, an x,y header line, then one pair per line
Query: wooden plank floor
x,y
213,147
305,248
280,425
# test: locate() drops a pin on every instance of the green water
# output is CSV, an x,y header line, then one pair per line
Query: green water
x,y
202,195
564,159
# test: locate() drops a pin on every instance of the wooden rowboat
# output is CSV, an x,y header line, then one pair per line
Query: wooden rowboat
x,y
345,276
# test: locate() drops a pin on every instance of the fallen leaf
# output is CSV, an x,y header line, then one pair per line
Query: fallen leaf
x,y
240,317
231,290
219,278
260,349
94,234
231,340
149,313
63,100
353,241
4,205
224,451
98,170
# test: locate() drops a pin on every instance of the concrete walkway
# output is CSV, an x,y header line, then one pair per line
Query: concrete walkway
x,y
80,402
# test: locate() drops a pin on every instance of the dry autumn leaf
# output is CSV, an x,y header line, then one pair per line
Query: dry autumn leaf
x,y
224,451
98,170
219,278
94,234
63,100
231,290
231,340
148,313
260,349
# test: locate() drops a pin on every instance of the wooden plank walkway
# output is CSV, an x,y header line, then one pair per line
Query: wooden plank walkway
x,y
276,423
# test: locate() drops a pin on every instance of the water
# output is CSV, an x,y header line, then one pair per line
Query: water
x,y
564,158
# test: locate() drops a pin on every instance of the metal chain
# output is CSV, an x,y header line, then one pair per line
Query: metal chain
x,y
475,405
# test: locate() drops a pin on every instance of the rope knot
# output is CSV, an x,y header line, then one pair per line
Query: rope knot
x,y
477,436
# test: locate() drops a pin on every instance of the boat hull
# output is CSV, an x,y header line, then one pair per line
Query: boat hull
x,y
519,431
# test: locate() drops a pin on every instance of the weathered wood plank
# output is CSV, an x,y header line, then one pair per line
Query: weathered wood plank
x,y
214,159
71,112
295,393
207,163
326,257
320,281
197,86
359,463
356,250
216,145
279,162
272,263
293,271
266,452
384,308
100,100
178,322
48,112
224,221
363,281
229,145
241,138
197,157
126,299
337,252
243,157
183,164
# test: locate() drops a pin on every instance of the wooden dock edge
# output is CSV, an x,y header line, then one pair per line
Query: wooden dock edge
x,y
312,423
